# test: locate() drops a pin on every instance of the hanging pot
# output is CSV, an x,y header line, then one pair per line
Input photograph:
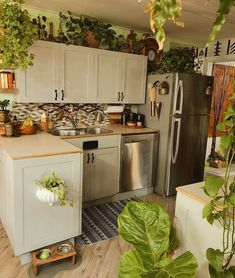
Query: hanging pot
x,y
46,196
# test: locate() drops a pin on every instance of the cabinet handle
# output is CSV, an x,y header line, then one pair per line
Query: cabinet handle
x,y
119,96
93,158
88,158
56,95
122,96
62,92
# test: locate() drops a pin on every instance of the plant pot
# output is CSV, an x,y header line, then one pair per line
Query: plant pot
x,y
4,116
46,196
91,40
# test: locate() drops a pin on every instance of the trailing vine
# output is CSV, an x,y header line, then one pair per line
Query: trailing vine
x,y
17,34
162,10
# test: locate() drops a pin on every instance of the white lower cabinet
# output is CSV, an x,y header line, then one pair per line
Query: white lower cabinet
x,y
100,173
32,224
101,166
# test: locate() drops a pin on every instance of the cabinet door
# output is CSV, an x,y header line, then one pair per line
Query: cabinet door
x,y
107,74
40,82
135,73
37,224
104,173
76,73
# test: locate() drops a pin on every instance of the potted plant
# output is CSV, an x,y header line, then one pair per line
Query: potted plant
x,y
221,206
147,227
4,113
17,34
52,189
85,31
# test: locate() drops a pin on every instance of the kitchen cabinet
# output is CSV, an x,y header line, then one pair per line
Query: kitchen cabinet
x,y
31,224
101,165
40,82
75,74
100,174
119,77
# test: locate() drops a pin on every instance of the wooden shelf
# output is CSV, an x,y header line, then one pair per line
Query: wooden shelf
x,y
9,91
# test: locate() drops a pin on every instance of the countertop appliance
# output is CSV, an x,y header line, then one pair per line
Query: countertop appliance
x,y
181,113
139,157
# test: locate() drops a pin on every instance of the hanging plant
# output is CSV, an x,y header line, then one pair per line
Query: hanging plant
x,y
162,10
17,34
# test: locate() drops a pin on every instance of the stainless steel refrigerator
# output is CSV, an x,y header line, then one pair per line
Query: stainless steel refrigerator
x,y
180,109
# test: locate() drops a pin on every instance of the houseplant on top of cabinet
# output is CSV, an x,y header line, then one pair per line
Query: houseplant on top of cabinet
x,y
221,206
17,34
52,189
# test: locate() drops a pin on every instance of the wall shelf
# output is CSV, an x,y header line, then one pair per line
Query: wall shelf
x,y
9,91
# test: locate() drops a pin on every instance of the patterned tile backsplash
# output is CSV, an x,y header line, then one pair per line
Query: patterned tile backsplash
x,y
86,113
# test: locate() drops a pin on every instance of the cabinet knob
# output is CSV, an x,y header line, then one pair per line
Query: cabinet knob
x,y
88,158
119,96
56,95
62,92
93,158
122,96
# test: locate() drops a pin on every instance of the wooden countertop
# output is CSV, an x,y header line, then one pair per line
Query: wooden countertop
x,y
38,145
43,144
195,192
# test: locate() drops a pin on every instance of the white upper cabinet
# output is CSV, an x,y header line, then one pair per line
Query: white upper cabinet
x,y
134,79
107,71
75,74
120,78
40,83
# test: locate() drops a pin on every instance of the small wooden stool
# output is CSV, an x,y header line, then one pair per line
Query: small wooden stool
x,y
55,255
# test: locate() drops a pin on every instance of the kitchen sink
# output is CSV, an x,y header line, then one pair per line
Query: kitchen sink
x,y
67,132
77,132
97,130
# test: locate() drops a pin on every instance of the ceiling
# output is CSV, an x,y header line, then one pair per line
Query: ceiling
x,y
198,16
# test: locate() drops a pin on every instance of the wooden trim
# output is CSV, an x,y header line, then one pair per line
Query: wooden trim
x,y
191,196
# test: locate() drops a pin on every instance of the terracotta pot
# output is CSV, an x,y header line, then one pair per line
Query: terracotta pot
x,y
91,40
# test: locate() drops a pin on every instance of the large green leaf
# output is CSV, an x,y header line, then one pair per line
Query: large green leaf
x,y
213,185
215,258
184,266
220,274
131,267
147,228
173,241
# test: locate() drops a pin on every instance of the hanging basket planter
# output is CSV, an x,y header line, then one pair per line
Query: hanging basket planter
x,y
46,196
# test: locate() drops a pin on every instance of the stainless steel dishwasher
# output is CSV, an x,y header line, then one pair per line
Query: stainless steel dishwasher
x,y
139,161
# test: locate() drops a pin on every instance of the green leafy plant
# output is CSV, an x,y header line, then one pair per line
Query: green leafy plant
x,y
177,60
85,31
40,22
17,34
148,229
221,208
162,10
4,104
54,184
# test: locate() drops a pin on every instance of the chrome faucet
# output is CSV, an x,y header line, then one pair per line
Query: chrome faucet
x,y
72,117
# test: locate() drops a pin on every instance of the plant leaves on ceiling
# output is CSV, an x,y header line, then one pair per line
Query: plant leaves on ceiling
x,y
162,10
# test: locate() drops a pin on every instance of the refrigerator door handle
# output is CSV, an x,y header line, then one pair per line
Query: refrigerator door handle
x,y
174,155
179,91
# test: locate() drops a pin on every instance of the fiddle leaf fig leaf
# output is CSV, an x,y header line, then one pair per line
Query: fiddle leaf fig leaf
x,y
147,228
184,266
221,126
215,258
213,185
225,141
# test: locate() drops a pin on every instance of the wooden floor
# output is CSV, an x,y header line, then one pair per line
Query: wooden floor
x,y
98,260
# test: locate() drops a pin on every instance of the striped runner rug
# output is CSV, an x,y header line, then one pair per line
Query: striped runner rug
x,y
100,222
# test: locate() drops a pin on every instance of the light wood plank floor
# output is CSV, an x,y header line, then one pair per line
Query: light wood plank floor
x,y
99,260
